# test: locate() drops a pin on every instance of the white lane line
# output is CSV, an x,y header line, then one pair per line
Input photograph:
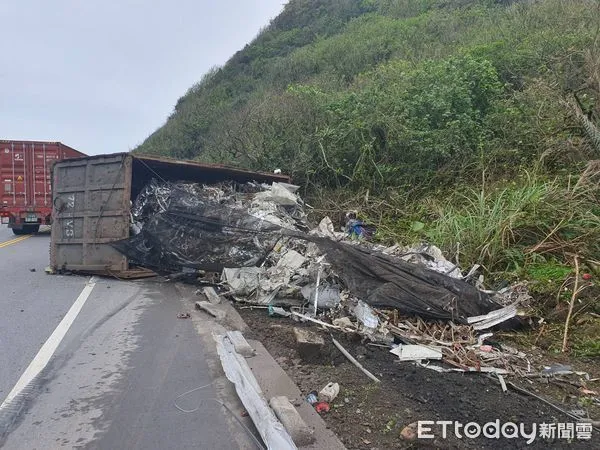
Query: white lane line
x,y
43,356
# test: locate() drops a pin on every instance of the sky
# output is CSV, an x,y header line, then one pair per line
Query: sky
x,y
102,75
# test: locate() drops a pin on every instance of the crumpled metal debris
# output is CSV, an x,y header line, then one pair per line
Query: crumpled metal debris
x,y
242,281
257,237
328,297
190,225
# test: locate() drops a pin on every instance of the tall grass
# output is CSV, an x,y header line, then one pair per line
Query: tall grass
x,y
527,221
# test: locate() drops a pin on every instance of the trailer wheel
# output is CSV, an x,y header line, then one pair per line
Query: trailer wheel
x,y
30,229
27,229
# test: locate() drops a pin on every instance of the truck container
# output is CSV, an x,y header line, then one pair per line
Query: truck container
x,y
92,198
25,187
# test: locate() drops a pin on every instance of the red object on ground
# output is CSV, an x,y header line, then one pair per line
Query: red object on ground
x,y
321,407
586,276
25,187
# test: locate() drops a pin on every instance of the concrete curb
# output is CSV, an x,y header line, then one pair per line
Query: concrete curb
x,y
271,377
274,382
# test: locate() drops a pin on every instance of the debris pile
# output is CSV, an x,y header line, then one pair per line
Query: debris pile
x,y
177,226
256,236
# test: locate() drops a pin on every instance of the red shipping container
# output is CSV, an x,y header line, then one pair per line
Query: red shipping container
x,y
25,187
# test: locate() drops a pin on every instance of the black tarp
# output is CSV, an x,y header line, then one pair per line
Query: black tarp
x,y
190,226
384,280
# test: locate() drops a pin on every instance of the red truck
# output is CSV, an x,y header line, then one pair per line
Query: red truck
x,y
25,187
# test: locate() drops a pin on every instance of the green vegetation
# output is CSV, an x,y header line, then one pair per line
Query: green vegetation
x,y
541,219
588,347
470,124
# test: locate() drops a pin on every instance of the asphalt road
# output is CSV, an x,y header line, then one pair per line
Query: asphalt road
x,y
113,379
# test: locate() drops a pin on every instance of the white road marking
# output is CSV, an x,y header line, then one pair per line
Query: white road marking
x,y
43,356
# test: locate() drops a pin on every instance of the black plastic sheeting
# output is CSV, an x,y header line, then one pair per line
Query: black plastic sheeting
x,y
186,226
383,280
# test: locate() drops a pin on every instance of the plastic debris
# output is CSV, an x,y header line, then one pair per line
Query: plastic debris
x,y
322,407
291,260
232,226
493,318
278,311
312,398
557,369
356,228
427,255
280,193
198,226
365,314
329,392
325,229
386,281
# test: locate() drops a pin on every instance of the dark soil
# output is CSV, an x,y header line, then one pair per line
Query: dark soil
x,y
369,415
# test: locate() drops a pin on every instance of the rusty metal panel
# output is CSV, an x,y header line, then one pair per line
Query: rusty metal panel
x,y
91,208
219,171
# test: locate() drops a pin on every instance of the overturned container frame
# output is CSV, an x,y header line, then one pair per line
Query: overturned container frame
x,y
92,197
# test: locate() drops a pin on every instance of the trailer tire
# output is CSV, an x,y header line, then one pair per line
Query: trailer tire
x,y
27,229
30,229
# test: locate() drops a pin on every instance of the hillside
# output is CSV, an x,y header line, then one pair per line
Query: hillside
x,y
466,123
364,90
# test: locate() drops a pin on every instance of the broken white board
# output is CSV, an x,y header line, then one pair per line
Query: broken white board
x,y
493,318
242,281
415,352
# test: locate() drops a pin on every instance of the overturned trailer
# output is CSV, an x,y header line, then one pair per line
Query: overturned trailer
x,y
92,200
